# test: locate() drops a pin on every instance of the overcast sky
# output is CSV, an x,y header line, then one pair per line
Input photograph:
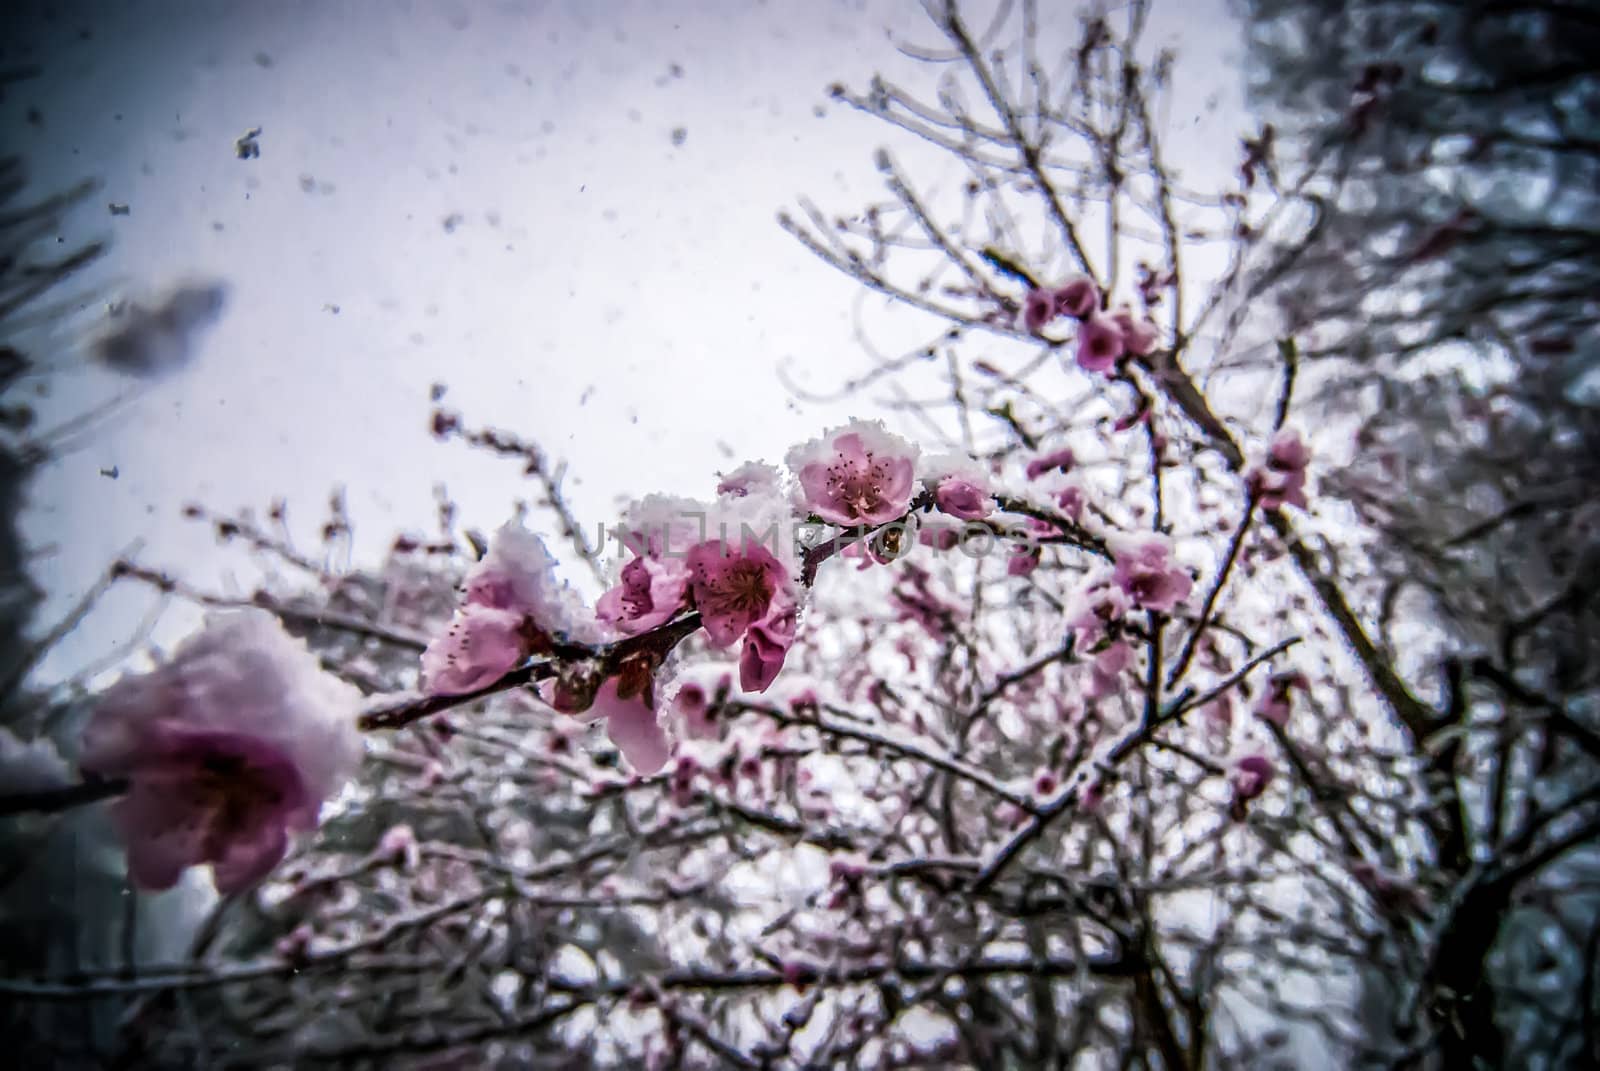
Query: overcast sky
x,y
565,211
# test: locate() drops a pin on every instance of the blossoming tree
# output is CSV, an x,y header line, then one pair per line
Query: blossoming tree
x,y
1053,733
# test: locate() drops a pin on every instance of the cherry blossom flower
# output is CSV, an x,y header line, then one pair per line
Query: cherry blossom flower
x,y
856,474
1138,336
1250,776
1106,670
1077,298
1038,309
1281,479
650,594
227,747
960,486
513,607
1098,605
1099,344
767,644
1023,561
694,709
1146,572
1071,500
734,587
1055,461
1273,706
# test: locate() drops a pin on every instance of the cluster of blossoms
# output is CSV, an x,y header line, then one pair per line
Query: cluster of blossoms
x,y
1103,337
241,737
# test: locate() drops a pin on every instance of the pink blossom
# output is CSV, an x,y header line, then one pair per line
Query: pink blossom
x,y
1071,502
1281,480
226,748
1138,336
1146,572
1023,561
1099,344
1077,298
694,707
1055,461
962,497
1038,309
733,588
804,700
478,647
632,726
767,644
1098,605
1273,706
1250,776
513,607
856,474
650,594
939,536
1107,668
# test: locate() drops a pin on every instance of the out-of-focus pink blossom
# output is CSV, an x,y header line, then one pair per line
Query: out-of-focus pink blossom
x,y
694,708
1023,561
1070,499
1106,670
1146,572
1097,605
1099,344
1055,461
1038,309
1077,298
1274,704
767,644
856,474
227,748
1138,335
1250,776
734,586
1281,480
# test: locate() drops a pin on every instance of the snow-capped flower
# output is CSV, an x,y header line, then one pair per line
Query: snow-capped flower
x,y
229,746
1106,670
650,593
960,486
1023,560
1146,572
1099,344
513,607
1077,298
859,473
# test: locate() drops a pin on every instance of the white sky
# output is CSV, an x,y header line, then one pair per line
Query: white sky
x,y
624,301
